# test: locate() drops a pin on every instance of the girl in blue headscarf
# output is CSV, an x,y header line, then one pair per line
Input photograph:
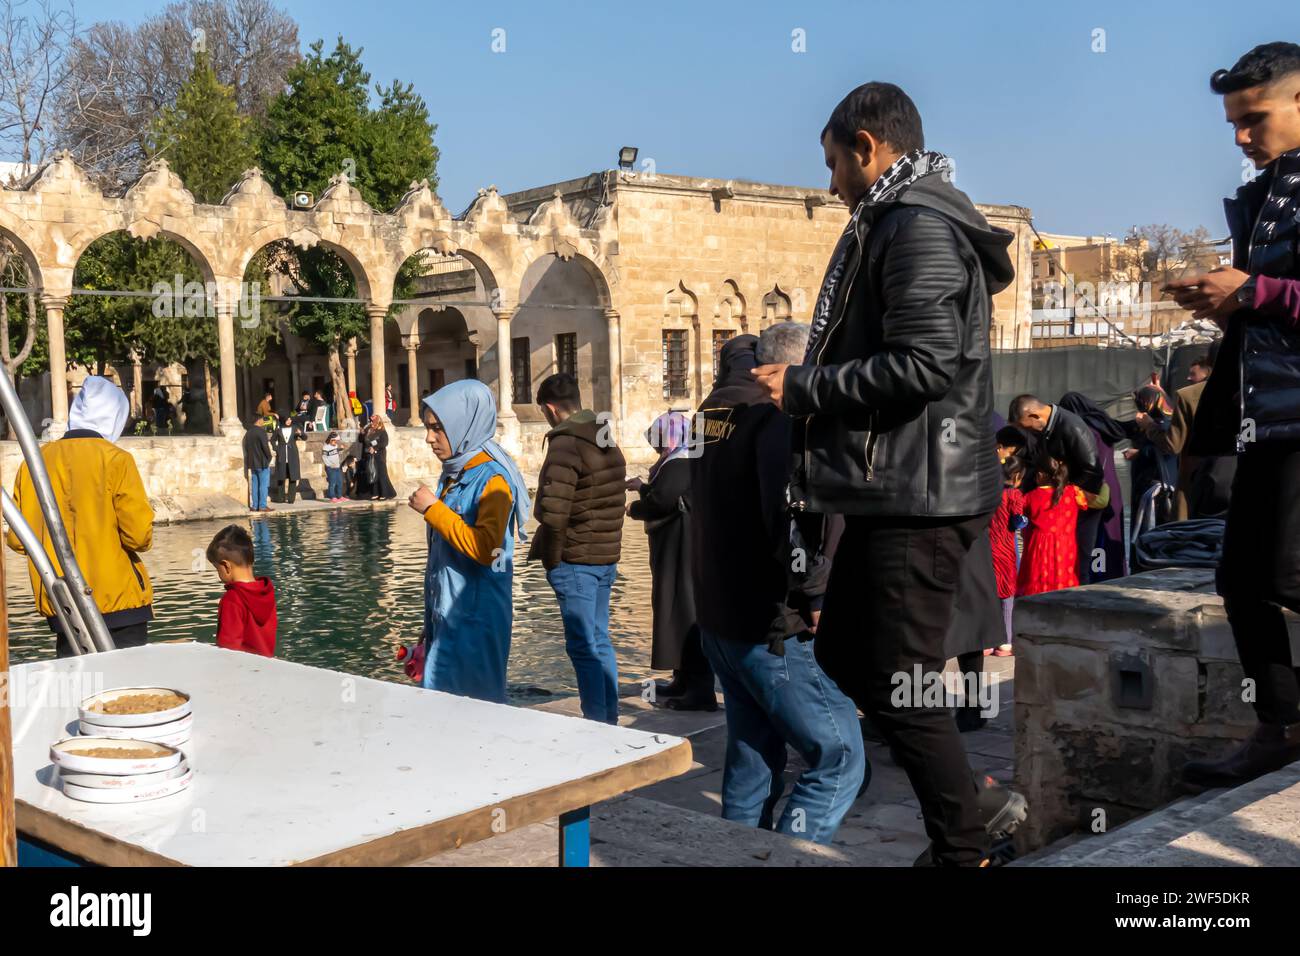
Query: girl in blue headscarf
x,y
480,506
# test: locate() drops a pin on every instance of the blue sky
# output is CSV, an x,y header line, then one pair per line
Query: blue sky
x,y
1092,142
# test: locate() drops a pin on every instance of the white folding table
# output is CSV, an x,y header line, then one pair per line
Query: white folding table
x,y
297,765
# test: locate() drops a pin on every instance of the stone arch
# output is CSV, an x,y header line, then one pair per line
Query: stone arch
x,y
561,316
205,256
776,307
730,308
304,239
18,233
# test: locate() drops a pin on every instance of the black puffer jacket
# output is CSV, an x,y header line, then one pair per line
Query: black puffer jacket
x,y
1257,375
896,399
581,494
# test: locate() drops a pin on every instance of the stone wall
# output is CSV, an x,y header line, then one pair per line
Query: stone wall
x,y
1117,685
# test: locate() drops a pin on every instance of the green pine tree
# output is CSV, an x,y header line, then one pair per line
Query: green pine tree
x,y
321,126
202,136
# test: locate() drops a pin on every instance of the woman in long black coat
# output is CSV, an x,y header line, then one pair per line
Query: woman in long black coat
x,y
374,441
664,505
288,470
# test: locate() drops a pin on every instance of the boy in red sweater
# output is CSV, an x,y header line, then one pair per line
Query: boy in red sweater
x,y
246,615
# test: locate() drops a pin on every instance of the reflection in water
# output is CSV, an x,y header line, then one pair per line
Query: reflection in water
x,y
349,588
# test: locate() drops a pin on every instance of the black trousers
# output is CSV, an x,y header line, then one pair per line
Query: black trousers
x,y
133,635
1259,574
1085,538
886,612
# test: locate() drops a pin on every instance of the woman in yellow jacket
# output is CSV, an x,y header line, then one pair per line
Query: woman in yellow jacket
x,y
103,503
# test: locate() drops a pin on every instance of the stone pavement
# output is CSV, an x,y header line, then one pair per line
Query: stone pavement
x,y
677,822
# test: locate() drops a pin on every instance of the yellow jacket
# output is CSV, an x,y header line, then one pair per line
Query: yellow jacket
x,y
107,513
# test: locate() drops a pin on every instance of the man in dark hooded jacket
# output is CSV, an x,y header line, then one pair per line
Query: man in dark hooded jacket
x,y
893,407
758,592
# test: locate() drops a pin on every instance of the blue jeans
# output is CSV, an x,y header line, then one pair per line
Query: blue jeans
x,y
333,483
774,701
583,593
259,483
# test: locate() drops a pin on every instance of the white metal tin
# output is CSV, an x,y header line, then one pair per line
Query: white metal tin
x,y
161,732
133,720
64,759
104,781
127,794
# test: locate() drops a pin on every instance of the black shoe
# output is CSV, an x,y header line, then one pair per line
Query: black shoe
x,y
697,698
673,688
1001,811
1271,747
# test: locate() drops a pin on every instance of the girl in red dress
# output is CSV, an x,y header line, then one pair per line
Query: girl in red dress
x,y
1008,519
1050,558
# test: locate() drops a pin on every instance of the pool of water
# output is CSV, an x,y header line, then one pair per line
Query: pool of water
x,y
349,589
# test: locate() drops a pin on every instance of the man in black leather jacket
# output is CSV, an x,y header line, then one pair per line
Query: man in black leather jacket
x,y
1065,436
893,429
1249,406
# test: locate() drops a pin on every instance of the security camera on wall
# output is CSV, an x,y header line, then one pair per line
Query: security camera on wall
x,y
303,200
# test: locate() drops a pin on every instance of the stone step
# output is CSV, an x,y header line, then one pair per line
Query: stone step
x,y
637,831
1071,850
1207,827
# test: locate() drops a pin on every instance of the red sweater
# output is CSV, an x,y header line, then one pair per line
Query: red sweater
x,y
246,617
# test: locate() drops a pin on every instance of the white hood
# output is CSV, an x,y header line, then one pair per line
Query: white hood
x,y
100,407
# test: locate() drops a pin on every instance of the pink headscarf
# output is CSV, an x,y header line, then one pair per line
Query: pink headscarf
x,y
669,434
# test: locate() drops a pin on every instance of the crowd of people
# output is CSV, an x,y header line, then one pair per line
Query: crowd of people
x,y
844,509
356,470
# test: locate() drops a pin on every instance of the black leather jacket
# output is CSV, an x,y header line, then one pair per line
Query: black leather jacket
x,y
1251,394
1068,438
896,400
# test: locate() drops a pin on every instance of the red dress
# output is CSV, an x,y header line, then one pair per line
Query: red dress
x,y
1003,540
1051,555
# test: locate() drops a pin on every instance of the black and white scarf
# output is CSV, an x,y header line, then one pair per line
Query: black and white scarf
x,y
904,171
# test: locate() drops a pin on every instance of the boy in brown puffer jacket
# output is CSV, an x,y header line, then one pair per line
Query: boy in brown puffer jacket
x,y
581,500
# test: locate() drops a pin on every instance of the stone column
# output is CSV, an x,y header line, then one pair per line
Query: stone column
x,y
230,424
351,352
377,373
613,329
412,343
505,396
58,423
137,385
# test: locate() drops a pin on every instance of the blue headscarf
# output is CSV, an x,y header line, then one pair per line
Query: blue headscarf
x,y
468,414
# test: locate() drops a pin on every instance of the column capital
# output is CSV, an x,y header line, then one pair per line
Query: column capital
x,y
411,341
59,302
504,315
611,313
351,348
377,308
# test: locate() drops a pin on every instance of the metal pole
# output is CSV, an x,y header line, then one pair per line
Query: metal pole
x,y
65,609
78,589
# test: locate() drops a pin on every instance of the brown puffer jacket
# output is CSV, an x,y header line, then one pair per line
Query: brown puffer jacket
x,y
580,495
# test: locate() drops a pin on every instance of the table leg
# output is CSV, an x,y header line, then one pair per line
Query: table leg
x,y
575,837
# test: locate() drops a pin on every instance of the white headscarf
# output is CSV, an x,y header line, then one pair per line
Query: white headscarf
x,y
100,407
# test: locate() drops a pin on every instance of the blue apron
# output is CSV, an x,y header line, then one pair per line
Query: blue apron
x,y
468,606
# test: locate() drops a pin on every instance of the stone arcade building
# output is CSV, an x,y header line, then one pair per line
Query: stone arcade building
x,y
631,280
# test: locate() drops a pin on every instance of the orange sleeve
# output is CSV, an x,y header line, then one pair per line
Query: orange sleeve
x,y
481,540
